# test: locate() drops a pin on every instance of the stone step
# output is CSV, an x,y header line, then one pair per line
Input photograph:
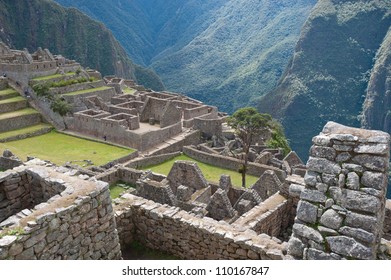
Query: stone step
x,y
52,78
13,104
19,119
8,93
30,131
77,87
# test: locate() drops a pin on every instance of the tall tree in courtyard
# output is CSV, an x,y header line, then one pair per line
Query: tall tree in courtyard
x,y
247,123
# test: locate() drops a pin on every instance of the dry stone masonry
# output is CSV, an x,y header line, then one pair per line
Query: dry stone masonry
x,y
342,208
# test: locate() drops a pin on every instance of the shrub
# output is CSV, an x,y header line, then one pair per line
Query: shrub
x,y
42,90
60,106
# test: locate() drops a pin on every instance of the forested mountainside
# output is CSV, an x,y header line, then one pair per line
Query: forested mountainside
x,y
43,23
224,52
328,76
377,105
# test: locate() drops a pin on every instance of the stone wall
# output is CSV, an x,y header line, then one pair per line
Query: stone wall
x,y
387,221
77,223
152,160
184,235
231,163
342,208
209,127
19,122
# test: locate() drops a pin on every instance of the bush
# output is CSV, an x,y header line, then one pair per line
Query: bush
x,y
42,90
60,106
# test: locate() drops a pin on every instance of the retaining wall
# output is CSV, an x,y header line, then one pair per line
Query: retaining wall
x,y
184,235
78,223
231,163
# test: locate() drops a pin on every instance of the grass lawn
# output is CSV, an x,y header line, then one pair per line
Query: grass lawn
x,y
87,90
60,148
118,188
29,129
7,91
27,111
12,99
127,90
44,78
211,173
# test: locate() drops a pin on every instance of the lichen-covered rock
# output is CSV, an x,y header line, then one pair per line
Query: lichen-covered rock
x,y
331,219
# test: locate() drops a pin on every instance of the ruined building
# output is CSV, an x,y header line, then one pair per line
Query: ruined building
x,y
332,207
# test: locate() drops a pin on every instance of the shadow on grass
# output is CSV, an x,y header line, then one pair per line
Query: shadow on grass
x,y
137,251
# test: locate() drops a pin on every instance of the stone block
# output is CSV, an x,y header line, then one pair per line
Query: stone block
x,y
359,201
313,196
358,234
322,165
314,254
374,163
353,181
374,180
310,178
349,247
323,152
377,149
295,247
321,140
331,219
307,232
307,212
364,222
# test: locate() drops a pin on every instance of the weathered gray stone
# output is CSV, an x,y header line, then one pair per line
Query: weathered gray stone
x,y
322,187
373,192
353,167
359,201
293,159
358,234
7,240
329,203
374,163
313,196
15,249
327,231
314,254
374,180
341,180
353,181
343,148
361,221
331,219
295,190
348,247
307,212
322,165
323,152
343,157
378,149
307,232
225,182
321,140
27,254
329,179
310,178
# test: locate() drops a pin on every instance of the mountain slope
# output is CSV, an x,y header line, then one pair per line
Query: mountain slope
x,y
377,105
223,52
328,75
43,23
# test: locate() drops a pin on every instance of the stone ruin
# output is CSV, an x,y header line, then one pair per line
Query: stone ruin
x,y
342,208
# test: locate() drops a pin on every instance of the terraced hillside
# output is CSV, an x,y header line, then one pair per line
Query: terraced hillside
x,y
17,120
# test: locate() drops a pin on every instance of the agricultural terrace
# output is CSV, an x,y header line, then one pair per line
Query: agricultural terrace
x,y
211,173
61,148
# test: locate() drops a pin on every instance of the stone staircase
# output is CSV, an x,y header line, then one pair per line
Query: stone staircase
x,y
17,120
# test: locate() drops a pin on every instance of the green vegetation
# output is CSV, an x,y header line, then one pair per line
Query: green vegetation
x,y
127,90
226,53
60,106
327,78
278,139
64,83
42,90
7,91
13,99
50,77
26,130
17,231
23,112
87,91
60,148
118,188
247,123
137,251
43,23
211,173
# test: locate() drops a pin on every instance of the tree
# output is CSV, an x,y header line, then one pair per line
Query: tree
x,y
247,123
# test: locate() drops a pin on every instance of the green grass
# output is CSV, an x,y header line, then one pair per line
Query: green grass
x,y
127,90
13,99
27,111
7,91
25,130
86,91
117,188
45,78
211,173
60,148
